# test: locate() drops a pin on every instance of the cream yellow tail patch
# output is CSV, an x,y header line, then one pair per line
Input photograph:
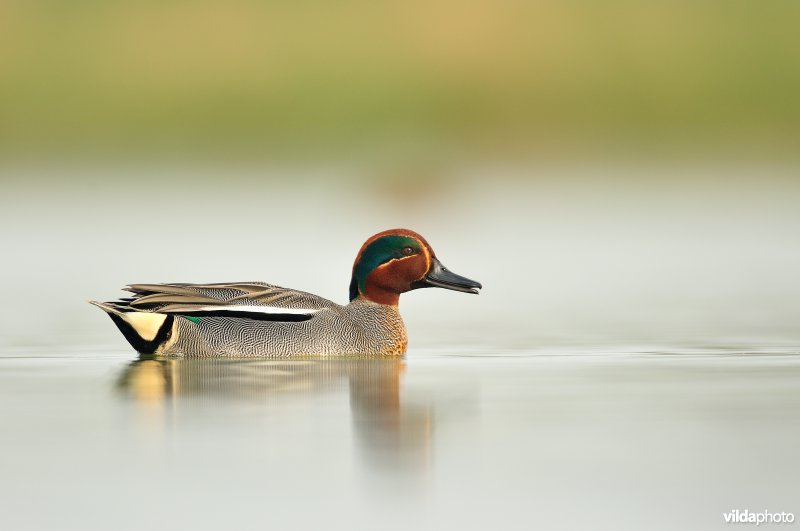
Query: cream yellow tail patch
x,y
146,324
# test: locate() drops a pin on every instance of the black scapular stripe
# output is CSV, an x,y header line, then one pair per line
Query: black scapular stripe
x,y
256,316
136,341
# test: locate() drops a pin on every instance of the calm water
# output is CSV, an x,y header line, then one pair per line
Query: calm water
x,y
564,437
633,361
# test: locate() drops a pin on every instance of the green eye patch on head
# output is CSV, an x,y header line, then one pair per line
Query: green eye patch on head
x,y
379,252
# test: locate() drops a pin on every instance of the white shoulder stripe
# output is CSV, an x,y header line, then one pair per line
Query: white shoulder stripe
x,y
255,309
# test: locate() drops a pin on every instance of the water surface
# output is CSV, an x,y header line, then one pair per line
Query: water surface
x,y
555,437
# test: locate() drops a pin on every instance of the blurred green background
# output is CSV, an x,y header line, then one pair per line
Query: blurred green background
x,y
630,166
446,78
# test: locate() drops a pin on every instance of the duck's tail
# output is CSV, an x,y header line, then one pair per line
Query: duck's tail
x,y
145,331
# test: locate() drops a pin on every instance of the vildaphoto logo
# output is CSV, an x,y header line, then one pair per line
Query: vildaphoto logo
x,y
764,517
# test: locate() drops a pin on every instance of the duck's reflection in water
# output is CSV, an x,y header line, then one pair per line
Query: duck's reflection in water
x,y
389,431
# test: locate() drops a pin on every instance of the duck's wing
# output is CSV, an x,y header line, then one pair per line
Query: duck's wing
x,y
255,300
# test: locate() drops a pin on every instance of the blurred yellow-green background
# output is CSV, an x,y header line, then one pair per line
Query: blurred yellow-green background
x,y
431,80
626,167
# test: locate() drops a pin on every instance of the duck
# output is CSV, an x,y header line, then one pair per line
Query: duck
x,y
256,319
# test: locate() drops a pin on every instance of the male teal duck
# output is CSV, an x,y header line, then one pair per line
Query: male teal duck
x,y
258,319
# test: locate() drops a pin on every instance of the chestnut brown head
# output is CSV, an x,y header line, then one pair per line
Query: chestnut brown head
x,y
399,260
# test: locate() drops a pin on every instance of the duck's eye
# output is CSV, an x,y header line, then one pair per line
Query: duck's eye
x,y
407,251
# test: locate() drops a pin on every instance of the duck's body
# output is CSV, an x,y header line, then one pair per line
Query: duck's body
x,y
252,319
257,319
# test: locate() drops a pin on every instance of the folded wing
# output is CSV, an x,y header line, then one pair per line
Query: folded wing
x,y
253,300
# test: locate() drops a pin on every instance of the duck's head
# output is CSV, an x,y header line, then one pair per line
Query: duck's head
x,y
399,260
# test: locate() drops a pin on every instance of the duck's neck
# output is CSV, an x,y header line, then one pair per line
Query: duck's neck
x,y
372,292
380,296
